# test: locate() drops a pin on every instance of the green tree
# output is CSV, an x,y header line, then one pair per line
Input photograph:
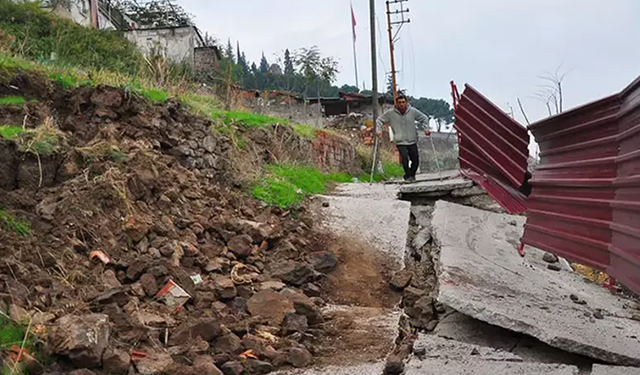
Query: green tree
x,y
156,13
264,65
288,63
228,52
437,109
349,89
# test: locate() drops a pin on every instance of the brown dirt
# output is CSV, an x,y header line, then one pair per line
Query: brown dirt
x,y
168,208
362,277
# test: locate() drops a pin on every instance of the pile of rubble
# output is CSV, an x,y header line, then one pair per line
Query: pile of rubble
x,y
153,262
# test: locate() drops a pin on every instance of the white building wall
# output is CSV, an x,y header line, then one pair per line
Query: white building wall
x,y
176,44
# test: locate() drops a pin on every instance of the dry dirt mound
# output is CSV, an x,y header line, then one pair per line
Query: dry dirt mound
x,y
142,199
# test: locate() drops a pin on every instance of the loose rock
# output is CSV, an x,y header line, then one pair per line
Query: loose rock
x,y
401,279
116,361
154,364
82,339
270,305
149,284
204,365
550,258
294,323
241,246
554,267
292,272
323,261
232,368
394,366
225,288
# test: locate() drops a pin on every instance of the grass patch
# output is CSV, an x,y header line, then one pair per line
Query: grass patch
x,y
13,100
102,152
305,131
246,119
286,185
10,132
46,139
203,105
155,95
11,223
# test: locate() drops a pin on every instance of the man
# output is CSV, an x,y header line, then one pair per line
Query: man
x,y
402,119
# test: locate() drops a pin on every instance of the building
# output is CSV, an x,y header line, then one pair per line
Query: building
x,y
180,44
92,13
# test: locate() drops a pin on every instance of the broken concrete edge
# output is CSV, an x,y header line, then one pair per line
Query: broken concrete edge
x,y
614,370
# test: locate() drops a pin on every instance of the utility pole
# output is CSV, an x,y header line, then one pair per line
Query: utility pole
x,y
395,17
374,83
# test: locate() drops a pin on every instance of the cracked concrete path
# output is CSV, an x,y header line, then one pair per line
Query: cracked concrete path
x,y
481,275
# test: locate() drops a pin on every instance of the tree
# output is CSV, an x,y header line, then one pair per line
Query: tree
x,y
228,53
349,89
288,63
264,65
551,93
436,109
156,13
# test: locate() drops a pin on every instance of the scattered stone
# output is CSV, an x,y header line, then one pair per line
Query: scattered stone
x,y
217,265
255,366
323,261
325,204
475,351
270,306
204,365
311,290
154,364
394,366
292,272
271,285
598,314
550,258
420,352
207,328
228,343
232,368
83,371
116,361
577,300
296,357
309,309
294,323
225,288
422,312
82,339
401,279
169,248
241,246
554,267
136,228
149,284
137,267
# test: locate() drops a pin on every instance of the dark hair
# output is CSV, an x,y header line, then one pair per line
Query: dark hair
x,y
402,96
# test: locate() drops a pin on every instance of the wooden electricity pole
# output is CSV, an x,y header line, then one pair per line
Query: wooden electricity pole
x,y
391,21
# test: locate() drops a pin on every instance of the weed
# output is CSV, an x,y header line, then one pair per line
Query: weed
x,y
46,139
10,132
13,100
11,223
204,105
102,152
155,95
305,131
286,185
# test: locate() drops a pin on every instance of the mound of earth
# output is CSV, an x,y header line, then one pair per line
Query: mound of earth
x,y
144,256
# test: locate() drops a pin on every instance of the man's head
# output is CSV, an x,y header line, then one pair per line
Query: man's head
x,y
402,103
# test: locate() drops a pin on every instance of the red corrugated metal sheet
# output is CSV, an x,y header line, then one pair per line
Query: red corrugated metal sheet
x,y
585,200
493,148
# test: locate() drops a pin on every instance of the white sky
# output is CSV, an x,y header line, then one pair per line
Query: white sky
x,y
501,47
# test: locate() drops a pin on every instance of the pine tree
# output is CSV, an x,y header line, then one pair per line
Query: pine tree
x,y
288,63
228,53
264,65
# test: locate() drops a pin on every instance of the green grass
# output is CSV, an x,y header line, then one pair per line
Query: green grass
x,y
10,132
286,185
11,223
389,171
13,100
250,120
13,333
305,131
155,95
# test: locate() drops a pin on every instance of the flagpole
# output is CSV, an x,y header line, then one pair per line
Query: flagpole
x,y
355,56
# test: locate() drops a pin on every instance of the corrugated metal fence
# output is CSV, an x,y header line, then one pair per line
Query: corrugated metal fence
x,y
585,199
493,149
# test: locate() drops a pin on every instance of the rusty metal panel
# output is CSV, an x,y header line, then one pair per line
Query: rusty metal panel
x,y
493,149
585,200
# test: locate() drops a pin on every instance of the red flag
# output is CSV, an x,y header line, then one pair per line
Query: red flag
x,y
353,22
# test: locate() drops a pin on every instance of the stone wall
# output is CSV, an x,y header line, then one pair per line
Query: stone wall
x,y
205,59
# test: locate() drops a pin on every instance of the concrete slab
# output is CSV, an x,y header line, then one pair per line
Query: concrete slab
x,y
482,275
362,369
441,348
614,370
366,190
381,223
444,175
435,186
479,367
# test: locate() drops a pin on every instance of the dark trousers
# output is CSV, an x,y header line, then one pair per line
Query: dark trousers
x,y
409,154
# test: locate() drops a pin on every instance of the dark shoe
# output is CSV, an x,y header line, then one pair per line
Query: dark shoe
x,y
411,179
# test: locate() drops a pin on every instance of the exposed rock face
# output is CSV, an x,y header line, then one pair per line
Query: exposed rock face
x,y
82,339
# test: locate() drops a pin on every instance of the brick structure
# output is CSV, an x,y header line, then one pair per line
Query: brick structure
x,y
334,153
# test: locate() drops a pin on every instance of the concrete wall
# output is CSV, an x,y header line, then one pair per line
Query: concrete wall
x,y
176,44
79,11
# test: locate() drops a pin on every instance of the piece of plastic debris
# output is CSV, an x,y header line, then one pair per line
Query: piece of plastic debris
x,y
137,355
249,354
197,279
104,258
173,295
244,274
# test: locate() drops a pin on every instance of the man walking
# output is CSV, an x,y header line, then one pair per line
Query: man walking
x,y
402,119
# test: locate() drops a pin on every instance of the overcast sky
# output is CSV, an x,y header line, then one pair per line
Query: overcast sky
x,y
500,47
